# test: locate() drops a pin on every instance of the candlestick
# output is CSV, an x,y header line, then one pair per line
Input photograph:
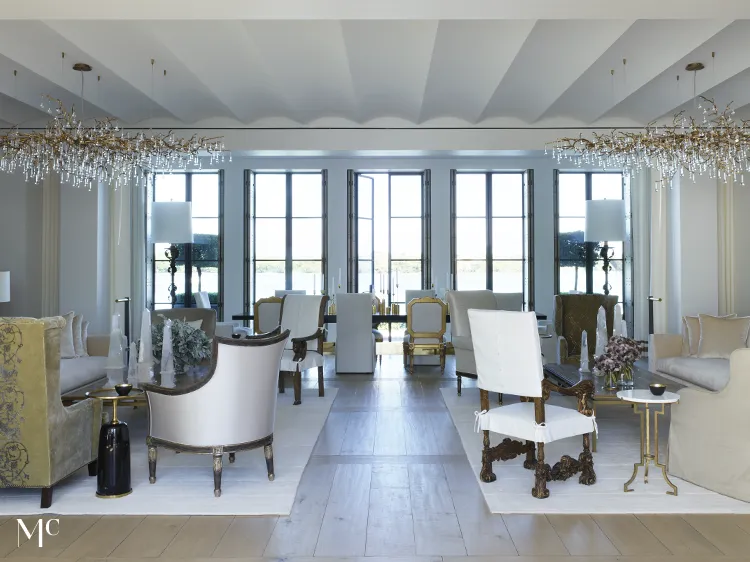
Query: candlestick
x,y
447,281
451,285
315,284
332,286
339,277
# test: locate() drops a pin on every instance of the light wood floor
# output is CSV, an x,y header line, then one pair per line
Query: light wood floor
x,y
389,479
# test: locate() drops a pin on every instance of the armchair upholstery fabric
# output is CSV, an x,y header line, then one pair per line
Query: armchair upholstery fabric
x,y
574,314
302,315
708,439
506,347
232,409
266,314
355,342
41,441
206,315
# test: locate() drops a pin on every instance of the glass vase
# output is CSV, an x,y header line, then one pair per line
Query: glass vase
x,y
610,380
626,377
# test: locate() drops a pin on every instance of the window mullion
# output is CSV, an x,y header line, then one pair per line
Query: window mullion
x,y
488,224
188,258
590,258
288,250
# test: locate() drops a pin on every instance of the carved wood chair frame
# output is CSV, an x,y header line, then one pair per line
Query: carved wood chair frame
x,y
256,311
299,346
409,346
511,448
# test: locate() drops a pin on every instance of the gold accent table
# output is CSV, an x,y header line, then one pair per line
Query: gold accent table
x,y
642,401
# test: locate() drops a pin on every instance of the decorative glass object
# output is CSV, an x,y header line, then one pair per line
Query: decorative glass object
x,y
584,352
626,377
167,354
115,358
145,349
601,332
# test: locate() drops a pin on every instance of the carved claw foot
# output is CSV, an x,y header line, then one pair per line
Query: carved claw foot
x,y
488,476
588,476
217,493
297,402
540,490
152,479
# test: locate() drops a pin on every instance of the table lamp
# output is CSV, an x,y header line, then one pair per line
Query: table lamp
x,y
172,223
605,222
4,286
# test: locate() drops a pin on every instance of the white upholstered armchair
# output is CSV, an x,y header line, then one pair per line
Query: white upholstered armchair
x,y
506,347
232,409
302,315
425,329
355,342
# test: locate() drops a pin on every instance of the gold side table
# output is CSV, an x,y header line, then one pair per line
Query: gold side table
x,y
642,401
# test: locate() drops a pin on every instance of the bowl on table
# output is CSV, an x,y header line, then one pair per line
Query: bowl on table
x,y
657,389
123,389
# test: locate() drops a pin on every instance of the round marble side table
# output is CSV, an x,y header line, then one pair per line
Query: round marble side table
x,y
642,401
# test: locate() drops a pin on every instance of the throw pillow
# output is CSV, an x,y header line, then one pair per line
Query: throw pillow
x,y
691,333
67,347
194,324
77,337
85,337
721,336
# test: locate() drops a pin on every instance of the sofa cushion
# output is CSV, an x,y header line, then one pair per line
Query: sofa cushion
x,y
712,374
79,371
67,348
691,333
721,336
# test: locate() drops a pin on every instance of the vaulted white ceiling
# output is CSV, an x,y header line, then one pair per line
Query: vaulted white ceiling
x,y
363,72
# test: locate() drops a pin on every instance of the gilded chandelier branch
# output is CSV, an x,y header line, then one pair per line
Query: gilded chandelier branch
x,y
718,145
100,153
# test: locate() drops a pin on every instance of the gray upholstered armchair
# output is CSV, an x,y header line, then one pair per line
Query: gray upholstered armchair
x,y
232,409
41,441
207,316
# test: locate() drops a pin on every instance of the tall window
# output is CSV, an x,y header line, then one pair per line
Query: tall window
x,y
286,242
200,264
579,265
389,242
492,232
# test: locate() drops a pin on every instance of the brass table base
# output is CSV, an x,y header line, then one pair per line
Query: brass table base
x,y
646,457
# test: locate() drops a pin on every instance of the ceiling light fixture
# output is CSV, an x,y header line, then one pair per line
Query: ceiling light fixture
x,y
715,145
100,152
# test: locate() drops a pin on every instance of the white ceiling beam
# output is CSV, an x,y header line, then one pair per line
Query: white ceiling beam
x,y
478,53
664,94
383,9
553,57
649,46
14,112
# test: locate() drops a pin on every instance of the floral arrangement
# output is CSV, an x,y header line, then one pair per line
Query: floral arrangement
x,y
618,357
190,345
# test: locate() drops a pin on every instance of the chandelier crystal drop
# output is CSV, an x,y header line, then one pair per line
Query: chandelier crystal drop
x,y
716,145
101,152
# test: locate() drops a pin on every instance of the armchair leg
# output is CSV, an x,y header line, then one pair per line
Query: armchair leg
x,y
411,359
321,387
530,462
46,498
281,382
486,474
442,359
405,348
231,458
588,476
151,462
92,468
540,490
268,453
458,378
217,454
500,398
297,388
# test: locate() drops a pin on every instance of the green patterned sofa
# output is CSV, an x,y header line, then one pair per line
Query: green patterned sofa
x,y
41,441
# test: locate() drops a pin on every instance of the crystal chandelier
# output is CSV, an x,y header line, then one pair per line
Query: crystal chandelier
x,y
101,152
716,145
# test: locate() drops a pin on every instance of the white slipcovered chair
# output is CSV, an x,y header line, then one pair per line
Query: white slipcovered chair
x,y
281,293
460,302
355,341
223,329
231,409
302,315
506,347
266,314
425,329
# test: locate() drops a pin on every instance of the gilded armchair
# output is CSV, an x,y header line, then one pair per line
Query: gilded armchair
x,y
506,346
41,441
425,329
230,410
302,315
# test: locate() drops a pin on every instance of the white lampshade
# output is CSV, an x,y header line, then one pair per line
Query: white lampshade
x,y
172,222
605,220
4,286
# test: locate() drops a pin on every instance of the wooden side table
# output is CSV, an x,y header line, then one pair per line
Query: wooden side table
x,y
642,401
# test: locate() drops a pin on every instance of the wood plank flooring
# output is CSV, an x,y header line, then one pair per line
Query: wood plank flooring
x,y
388,481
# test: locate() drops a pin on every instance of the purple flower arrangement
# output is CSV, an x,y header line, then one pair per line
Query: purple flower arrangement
x,y
619,355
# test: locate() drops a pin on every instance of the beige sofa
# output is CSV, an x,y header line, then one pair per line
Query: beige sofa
x,y
77,372
708,443
666,357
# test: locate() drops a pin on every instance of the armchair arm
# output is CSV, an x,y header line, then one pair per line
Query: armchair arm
x,y
299,345
275,332
74,436
584,391
662,346
562,349
164,391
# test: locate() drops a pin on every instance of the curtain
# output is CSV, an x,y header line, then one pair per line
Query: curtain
x,y
641,190
658,250
725,207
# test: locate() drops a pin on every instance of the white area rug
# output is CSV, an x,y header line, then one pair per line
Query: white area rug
x,y
184,484
618,449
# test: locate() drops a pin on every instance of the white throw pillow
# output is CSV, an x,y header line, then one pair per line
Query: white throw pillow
x,y
691,333
77,335
721,336
195,324
67,347
85,337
